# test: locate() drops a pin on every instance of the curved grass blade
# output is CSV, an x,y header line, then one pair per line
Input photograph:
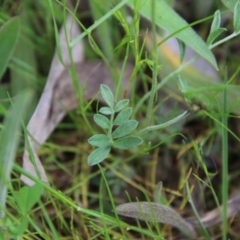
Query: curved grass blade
x,y
169,20
9,34
9,140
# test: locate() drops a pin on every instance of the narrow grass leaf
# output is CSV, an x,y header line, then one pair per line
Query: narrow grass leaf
x,y
107,95
121,105
101,121
216,21
99,140
157,192
9,140
98,22
195,106
98,155
152,212
182,47
236,17
169,20
127,142
123,116
106,110
225,160
106,43
214,34
9,34
166,124
230,3
125,128
183,85
204,230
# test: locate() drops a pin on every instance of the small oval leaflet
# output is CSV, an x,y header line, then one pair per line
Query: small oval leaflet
x,y
107,95
101,121
121,105
123,116
106,110
127,142
125,128
99,140
98,155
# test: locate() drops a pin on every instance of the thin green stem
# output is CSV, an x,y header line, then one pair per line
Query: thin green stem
x,y
110,128
164,81
222,125
59,195
98,22
119,83
155,67
164,125
224,40
110,196
49,221
224,163
206,234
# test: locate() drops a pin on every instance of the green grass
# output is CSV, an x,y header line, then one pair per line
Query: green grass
x,y
80,200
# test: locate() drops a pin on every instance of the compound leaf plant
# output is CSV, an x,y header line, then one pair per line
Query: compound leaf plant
x,y
117,126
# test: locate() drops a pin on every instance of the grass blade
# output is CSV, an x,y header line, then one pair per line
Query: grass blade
x,y
224,163
9,140
9,34
168,19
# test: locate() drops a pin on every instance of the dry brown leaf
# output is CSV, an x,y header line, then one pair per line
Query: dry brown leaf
x,y
39,126
155,212
214,216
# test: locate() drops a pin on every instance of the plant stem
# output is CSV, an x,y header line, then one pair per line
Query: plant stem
x,y
97,23
164,125
224,40
110,128
206,234
224,162
155,66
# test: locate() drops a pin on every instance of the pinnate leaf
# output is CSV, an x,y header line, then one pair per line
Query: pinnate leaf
x,y
101,121
127,142
125,128
123,116
98,155
99,140
107,95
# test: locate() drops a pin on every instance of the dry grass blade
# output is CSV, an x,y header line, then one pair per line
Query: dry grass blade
x,y
213,217
152,212
40,125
